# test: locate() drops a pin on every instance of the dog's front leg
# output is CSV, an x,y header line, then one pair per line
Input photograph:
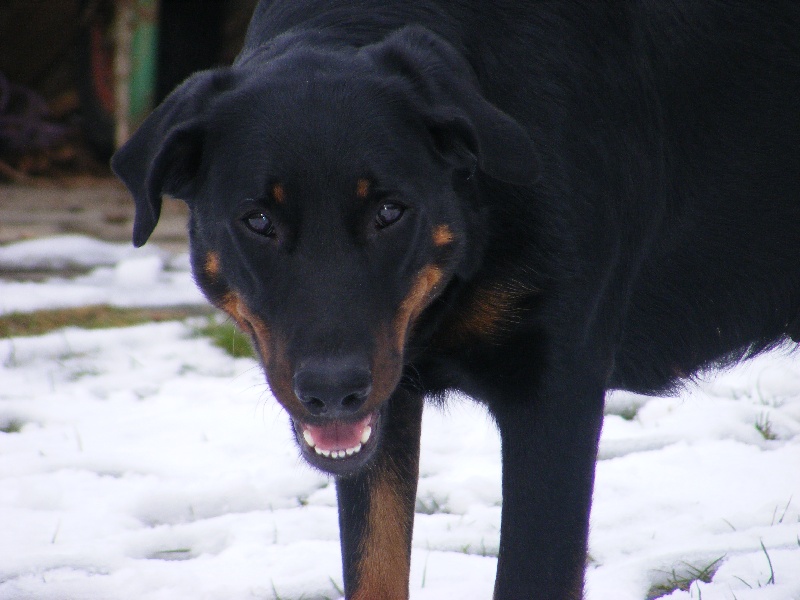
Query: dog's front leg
x,y
549,447
376,508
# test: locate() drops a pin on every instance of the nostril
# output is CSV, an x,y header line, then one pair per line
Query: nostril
x,y
314,405
353,402
336,387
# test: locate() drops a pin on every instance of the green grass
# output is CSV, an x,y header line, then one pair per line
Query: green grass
x,y
88,317
176,554
771,580
338,589
11,426
764,427
682,577
226,336
429,506
222,333
629,412
481,551
626,408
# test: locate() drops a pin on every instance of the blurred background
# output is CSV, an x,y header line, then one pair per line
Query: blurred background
x,y
76,78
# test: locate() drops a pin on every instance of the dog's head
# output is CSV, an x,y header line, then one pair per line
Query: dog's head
x,y
327,213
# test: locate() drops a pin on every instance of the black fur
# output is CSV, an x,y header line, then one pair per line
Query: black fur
x,y
597,195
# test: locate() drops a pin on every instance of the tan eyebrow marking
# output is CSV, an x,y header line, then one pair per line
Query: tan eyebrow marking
x,y
279,193
442,235
362,188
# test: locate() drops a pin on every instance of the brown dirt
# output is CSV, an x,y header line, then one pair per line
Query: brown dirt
x,y
98,207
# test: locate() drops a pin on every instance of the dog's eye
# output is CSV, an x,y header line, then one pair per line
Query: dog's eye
x,y
388,214
259,223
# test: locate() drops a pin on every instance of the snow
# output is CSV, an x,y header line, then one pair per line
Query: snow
x,y
144,463
118,274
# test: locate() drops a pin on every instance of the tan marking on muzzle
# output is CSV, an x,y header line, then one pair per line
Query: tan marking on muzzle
x,y
421,293
271,349
390,339
386,366
383,570
362,188
442,235
232,304
212,265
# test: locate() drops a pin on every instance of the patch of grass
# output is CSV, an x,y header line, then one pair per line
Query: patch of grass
x,y
430,506
83,372
481,551
625,406
11,426
88,317
225,335
771,580
176,554
629,412
783,515
682,577
764,427
338,589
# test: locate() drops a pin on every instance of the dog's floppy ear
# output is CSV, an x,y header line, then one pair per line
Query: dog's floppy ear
x,y
163,155
466,127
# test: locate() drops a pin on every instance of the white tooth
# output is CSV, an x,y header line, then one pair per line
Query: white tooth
x,y
318,450
365,435
324,452
350,451
357,449
335,454
307,437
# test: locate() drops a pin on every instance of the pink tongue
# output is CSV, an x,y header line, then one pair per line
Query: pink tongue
x,y
338,435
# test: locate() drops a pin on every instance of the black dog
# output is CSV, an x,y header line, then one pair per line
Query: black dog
x,y
532,202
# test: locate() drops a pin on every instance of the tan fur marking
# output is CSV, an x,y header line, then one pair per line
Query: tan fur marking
x,y
421,293
231,304
487,314
212,265
383,570
362,188
259,331
442,235
271,349
387,366
279,373
279,193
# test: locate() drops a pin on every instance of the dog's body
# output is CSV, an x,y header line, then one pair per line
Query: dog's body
x,y
531,202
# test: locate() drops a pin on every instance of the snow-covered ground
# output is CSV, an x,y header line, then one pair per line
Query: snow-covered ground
x,y
143,463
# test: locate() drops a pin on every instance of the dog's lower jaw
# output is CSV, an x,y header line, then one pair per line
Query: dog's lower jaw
x,y
340,448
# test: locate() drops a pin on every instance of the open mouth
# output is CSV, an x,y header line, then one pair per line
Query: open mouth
x,y
339,440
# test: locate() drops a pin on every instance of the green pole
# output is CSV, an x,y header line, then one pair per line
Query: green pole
x,y
144,50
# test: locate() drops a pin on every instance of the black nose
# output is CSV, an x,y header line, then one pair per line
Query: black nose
x,y
334,387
